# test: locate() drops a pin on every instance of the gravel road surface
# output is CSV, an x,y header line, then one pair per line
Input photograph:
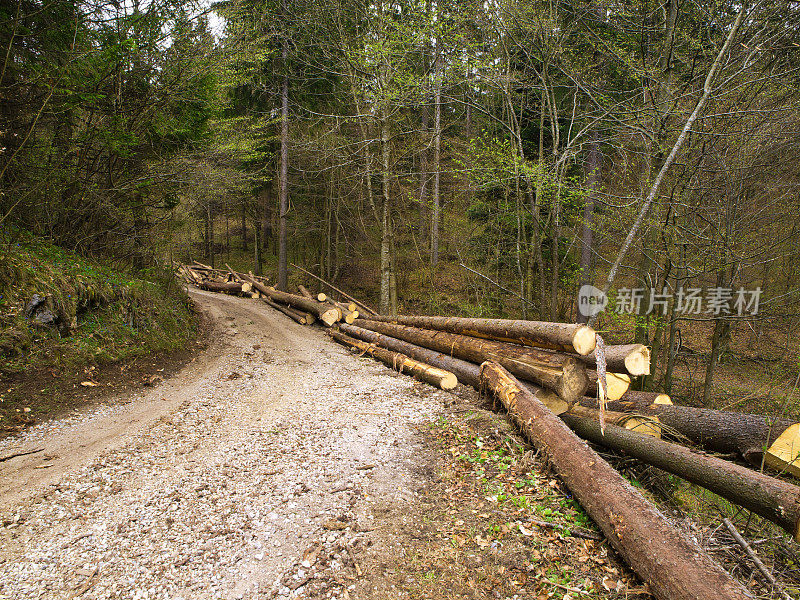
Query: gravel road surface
x,y
229,480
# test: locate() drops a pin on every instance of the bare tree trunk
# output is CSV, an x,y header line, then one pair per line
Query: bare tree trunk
x,y
555,251
386,235
257,248
283,177
718,342
593,166
424,229
393,272
210,236
244,226
437,144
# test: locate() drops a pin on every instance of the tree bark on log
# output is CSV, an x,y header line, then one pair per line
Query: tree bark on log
x,y
400,362
631,358
228,288
642,400
557,372
289,312
304,292
674,568
327,314
746,435
563,337
467,373
640,424
775,500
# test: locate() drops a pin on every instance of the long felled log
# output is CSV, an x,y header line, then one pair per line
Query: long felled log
x,y
633,358
641,400
467,373
747,435
289,312
564,337
773,499
674,567
557,372
326,313
400,362
228,288
638,423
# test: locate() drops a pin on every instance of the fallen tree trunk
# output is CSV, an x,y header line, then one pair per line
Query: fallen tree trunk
x,y
775,500
228,288
641,400
400,362
633,358
641,424
304,292
557,372
289,312
564,337
674,567
326,313
616,385
467,373
746,435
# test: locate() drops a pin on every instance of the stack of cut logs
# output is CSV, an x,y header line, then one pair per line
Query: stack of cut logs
x,y
541,370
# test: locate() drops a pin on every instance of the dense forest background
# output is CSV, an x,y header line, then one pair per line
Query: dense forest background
x,y
474,158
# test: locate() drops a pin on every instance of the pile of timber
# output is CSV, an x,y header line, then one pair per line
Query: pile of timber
x,y
541,371
303,307
219,280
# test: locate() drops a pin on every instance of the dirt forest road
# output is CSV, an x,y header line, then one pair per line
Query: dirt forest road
x,y
229,480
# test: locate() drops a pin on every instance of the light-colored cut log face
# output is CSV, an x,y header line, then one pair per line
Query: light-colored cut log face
x,y
644,425
448,381
329,317
617,384
552,401
663,399
322,297
247,287
638,361
584,340
784,454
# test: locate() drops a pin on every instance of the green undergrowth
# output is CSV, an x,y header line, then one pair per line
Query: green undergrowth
x,y
99,314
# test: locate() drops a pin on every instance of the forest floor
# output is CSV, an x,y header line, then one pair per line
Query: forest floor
x,y
277,464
